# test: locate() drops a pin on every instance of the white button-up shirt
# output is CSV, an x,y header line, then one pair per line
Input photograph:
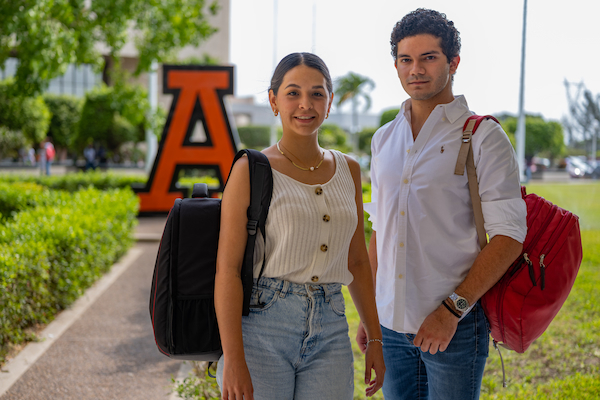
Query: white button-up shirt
x,y
422,212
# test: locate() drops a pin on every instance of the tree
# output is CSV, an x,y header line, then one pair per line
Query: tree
x,y
29,115
354,87
48,35
583,122
542,137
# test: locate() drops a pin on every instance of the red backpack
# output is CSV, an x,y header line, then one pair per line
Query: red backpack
x,y
529,295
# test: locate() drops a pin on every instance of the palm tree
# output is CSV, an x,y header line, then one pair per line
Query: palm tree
x,y
353,87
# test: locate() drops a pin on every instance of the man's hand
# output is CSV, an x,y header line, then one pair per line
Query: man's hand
x,y
437,331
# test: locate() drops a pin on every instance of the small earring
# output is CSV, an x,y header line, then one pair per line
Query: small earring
x,y
327,116
275,113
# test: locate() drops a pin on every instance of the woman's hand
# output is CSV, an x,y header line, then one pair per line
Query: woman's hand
x,y
361,338
237,384
374,362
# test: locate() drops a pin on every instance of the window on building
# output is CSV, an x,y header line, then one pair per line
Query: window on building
x,y
75,82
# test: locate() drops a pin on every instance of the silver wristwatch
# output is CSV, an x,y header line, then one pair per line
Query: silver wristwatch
x,y
460,302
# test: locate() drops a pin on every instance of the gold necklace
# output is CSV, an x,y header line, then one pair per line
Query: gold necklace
x,y
299,167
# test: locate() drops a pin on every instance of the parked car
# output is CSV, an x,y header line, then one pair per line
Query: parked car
x,y
596,172
579,168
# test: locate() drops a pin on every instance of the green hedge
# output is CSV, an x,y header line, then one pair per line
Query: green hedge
x,y
21,186
388,116
331,136
51,253
19,196
80,180
255,136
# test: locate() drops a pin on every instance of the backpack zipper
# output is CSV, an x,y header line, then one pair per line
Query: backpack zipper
x,y
559,230
533,243
525,255
517,263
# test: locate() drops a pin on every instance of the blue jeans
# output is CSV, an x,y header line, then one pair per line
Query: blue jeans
x,y
454,374
297,345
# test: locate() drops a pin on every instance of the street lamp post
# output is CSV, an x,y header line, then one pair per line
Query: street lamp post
x,y
521,122
273,133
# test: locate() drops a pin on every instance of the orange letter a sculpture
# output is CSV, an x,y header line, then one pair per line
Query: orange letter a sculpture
x,y
197,98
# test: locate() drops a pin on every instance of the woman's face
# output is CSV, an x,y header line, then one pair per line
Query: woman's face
x,y
302,100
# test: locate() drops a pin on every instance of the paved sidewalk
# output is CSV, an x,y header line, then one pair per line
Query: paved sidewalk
x,y
107,352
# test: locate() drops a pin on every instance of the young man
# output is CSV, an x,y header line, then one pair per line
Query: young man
x,y
424,250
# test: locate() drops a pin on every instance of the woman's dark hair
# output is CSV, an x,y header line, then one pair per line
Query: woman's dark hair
x,y
430,22
293,60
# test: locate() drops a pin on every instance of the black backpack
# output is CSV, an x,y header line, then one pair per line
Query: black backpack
x,y
182,295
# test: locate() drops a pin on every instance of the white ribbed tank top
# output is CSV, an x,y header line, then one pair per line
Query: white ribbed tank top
x,y
309,229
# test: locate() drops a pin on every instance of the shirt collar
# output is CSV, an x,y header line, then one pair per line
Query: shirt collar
x,y
454,110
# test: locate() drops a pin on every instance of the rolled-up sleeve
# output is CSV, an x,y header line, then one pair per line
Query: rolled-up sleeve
x,y
371,207
506,217
504,210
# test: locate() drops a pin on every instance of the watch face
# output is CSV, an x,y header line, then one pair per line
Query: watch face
x,y
462,304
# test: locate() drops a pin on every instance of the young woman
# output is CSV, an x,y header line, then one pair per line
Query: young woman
x,y
295,344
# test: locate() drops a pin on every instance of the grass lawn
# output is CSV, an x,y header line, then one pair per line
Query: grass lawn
x,y
564,363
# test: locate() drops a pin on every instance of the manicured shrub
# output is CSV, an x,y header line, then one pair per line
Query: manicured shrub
x,y
51,253
331,136
388,116
113,116
97,116
364,139
19,196
66,112
122,131
255,136
77,181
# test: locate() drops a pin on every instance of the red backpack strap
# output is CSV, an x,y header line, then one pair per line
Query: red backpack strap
x,y
478,119
471,125
465,159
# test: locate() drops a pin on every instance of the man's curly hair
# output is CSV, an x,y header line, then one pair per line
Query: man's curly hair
x,y
424,21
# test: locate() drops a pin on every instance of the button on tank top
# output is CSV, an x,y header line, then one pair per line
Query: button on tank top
x,y
309,228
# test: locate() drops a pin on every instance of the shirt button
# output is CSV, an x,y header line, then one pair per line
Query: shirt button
x,y
323,247
400,276
319,191
402,213
315,279
408,151
326,218
405,181
401,244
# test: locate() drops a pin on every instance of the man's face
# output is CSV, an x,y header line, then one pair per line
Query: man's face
x,y
423,68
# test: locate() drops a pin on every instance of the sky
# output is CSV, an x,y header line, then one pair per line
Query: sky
x,y
353,36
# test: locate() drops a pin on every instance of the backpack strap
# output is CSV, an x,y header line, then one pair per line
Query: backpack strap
x,y
261,190
465,158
